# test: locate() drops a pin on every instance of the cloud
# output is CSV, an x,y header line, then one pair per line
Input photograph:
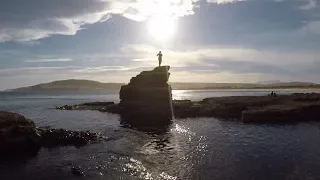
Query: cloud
x,y
310,4
44,18
143,9
238,63
146,54
27,76
49,60
303,4
311,28
223,1
101,69
201,64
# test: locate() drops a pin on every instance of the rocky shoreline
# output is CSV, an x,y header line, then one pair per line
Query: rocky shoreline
x,y
296,107
20,136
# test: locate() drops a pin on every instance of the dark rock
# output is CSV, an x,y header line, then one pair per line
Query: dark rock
x,y
101,106
62,137
65,107
282,114
98,104
113,108
18,135
147,99
77,171
255,109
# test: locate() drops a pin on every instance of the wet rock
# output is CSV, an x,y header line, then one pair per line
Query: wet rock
x,y
62,137
113,108
65,107
77,171
147,99
254,109
18,135
282,114
101,106
100,103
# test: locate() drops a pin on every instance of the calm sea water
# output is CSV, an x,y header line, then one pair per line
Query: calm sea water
x,y
202,148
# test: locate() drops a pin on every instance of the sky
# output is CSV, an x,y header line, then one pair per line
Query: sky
x,y
202,40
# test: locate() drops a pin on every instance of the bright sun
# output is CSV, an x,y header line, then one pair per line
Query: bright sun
x,y
161,27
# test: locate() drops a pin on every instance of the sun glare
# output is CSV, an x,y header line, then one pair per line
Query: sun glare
x,y
161,27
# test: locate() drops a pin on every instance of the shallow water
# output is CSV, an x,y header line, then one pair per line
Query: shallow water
x,y
202,148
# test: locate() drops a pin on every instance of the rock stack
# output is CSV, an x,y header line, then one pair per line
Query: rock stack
x,y
147,101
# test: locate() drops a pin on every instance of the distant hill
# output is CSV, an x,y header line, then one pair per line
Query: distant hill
x,y
71,85
75,85
269,82
291,84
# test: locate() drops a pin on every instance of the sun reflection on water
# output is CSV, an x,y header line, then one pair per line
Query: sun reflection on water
x,y
180,94
136,168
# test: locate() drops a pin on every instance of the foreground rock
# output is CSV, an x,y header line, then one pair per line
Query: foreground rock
x,y
250,109
147,99
20,136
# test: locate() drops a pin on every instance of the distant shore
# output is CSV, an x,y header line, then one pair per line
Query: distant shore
x,y
78,85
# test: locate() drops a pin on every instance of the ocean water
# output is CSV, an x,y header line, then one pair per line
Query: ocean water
x,y
199,148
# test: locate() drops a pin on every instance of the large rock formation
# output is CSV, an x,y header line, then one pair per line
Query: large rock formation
x,y
147,100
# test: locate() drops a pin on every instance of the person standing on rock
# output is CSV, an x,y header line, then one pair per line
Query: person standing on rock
x,y
159,58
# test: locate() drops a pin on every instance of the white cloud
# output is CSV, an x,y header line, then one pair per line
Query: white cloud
x,y
147,56
101,69
216,77
303,4
311,28
49,60
223,1
44,18
194,65
310,4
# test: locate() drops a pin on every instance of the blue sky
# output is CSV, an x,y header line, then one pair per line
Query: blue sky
x,y
202,40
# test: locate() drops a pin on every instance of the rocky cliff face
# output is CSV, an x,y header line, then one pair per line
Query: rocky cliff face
x,y
147,99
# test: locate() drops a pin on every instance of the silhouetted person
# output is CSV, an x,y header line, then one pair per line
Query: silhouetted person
x,y
272,93
159,58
